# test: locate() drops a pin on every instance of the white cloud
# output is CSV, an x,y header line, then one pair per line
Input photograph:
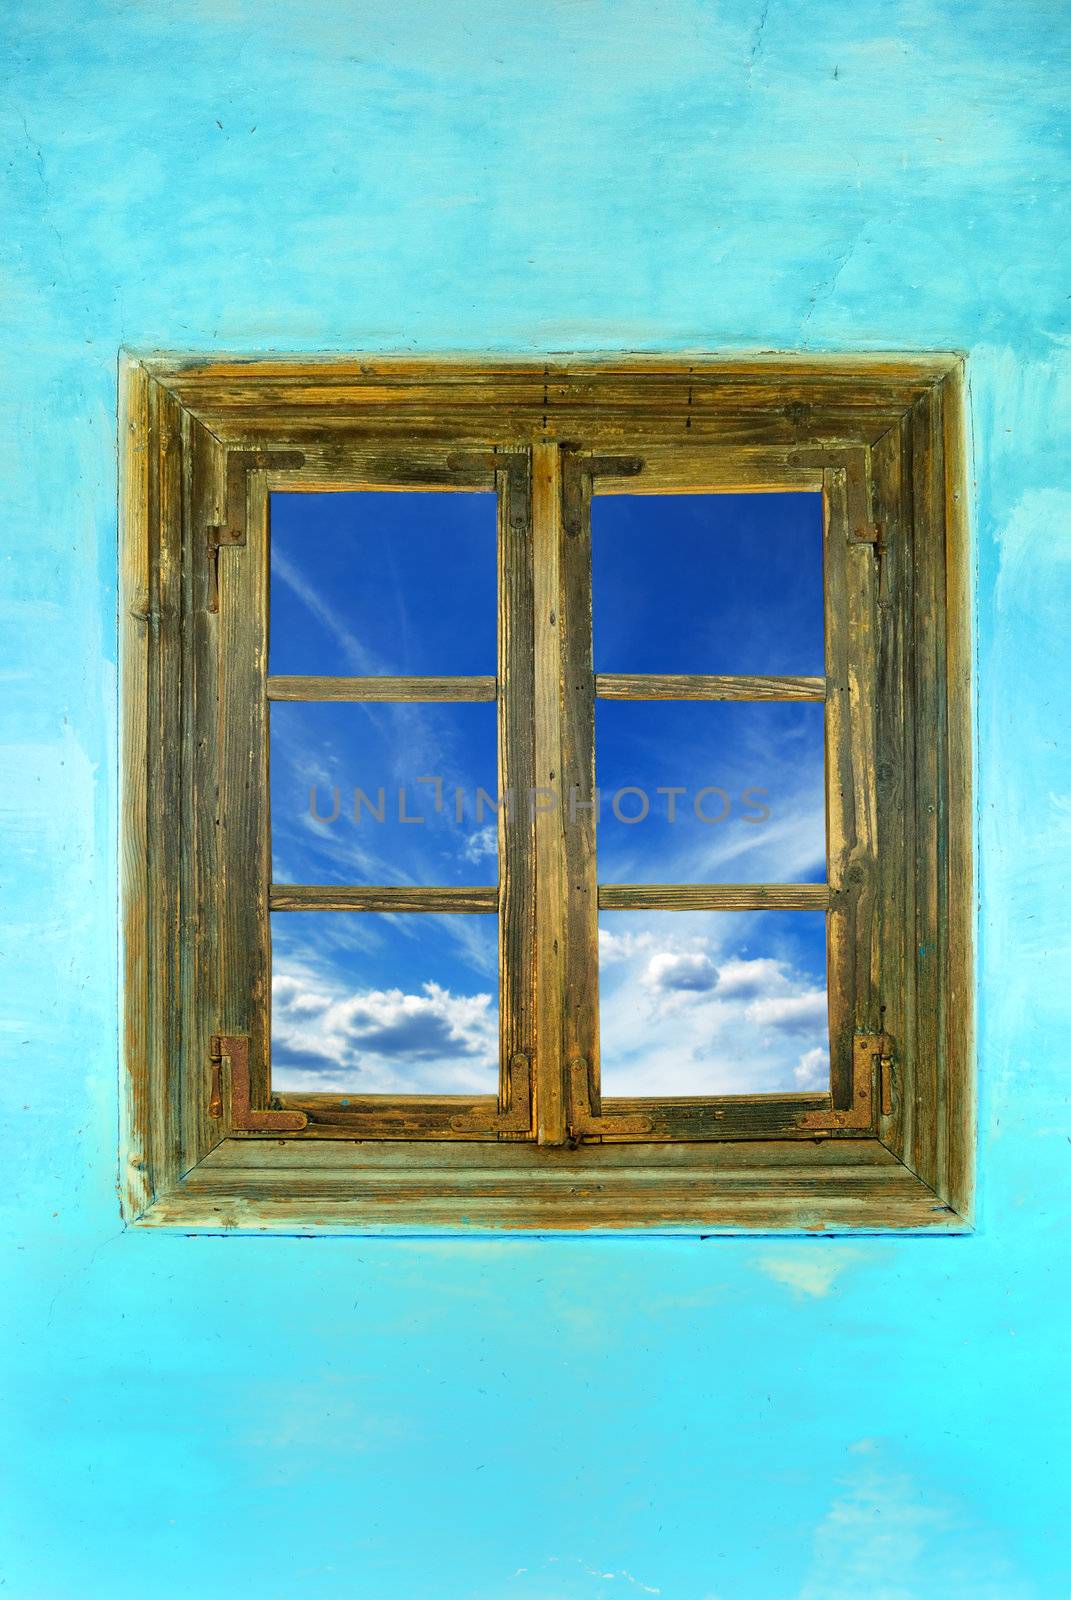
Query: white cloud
x,y
680,1017
681,969
790,1011
812,1070
620,946
381,1041
747,979
480,845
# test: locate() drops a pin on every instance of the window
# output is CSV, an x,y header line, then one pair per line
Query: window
x,y
430,673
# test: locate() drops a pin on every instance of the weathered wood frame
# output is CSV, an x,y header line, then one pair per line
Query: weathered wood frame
x,y
883,438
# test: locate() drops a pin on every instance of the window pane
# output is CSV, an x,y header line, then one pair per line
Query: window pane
x,y
711,1003
391,794
708,583
373,583
369,1003
752,808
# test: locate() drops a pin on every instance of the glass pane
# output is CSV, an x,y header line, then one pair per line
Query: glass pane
x,y
713,1002
710,583
392,794
368,1003
710,792
374,583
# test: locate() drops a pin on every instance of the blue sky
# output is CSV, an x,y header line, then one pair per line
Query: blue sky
x,y
405,584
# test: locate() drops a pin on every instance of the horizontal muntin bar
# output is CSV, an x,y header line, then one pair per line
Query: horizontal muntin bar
x,y
684,686
351,897
381,689
714,897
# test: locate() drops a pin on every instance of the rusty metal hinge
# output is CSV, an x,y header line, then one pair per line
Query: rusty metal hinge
x,y
515,1116
231,532
610,466
233,1048
873,534
872,1061
578,472
494,459
867,533
585,1114
886,1066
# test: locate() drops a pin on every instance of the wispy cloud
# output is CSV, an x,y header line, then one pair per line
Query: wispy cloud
x,y
736,791
360,659
480,845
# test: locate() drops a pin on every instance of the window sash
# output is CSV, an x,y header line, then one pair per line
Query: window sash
x,y
548,896
246,892
568,864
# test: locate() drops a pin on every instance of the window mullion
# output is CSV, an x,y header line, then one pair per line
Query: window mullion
x,y
580,978
547,792
516,782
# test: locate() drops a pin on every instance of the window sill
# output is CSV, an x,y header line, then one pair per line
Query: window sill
x,y
826,1185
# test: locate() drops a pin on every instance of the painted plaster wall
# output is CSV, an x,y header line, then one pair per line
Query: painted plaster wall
x,y
546,1420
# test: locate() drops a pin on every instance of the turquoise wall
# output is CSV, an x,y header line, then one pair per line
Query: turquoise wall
x,y
546,1420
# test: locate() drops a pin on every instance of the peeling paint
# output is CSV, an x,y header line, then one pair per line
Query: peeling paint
x,y
813,1273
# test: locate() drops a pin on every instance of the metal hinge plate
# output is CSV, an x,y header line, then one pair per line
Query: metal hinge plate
x,y
868,533
515,1116
578,473
230,533
586,1120
233,1048
871,1075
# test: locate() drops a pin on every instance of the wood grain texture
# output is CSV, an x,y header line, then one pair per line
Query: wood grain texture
x,y
361,897
408,1119
548,792
204,477
138,618
680,686
244,857
579,1003
891,475
851,711
291,687
960,1082
774,423
713,897
356,459
818,1186
518,1020
749,401
643,1118
167,841
723,1117
418,1117
673,465
929,1150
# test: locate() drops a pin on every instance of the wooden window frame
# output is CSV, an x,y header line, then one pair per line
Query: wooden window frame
x,y
204,442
